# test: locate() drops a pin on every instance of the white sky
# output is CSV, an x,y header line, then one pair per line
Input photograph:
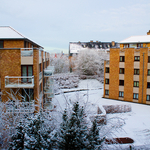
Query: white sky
x,y
54,23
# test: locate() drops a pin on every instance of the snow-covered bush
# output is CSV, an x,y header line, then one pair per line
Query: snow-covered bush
x,y
63,81
60,63
89,62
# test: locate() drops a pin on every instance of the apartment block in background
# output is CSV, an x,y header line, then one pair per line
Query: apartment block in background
x,y
127,73
24,70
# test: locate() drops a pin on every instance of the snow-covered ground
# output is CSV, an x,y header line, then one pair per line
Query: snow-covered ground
x,y
137,122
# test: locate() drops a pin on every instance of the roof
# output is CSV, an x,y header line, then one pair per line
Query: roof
x,y
137,39
7,32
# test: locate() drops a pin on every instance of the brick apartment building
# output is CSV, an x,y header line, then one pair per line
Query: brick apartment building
x,y
127,73
24,69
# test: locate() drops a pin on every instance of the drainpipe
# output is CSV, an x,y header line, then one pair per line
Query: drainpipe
x,y
143,78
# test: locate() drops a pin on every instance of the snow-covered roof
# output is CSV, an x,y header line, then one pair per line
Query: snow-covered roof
x,y
137,39
7,32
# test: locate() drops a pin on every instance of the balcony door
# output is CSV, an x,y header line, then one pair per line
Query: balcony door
x,y
26,70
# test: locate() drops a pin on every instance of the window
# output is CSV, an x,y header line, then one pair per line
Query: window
x,y
148,59
26,71
136,71
122,58
139,45
121,70
106,81
1,44
126,45
40,68
121,94
107,70
135,96
28,94
148,97
121,82
136,58
136,83
148,84
106,92
148,72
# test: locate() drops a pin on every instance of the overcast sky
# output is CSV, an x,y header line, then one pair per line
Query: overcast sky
x,y
54,23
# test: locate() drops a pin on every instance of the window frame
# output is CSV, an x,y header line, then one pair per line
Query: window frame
x,y
121,94
148,59
135,83
121,70
107,70
135,96
148,85
148,72
136,58
121,82
136,71
106,81
122,59
106,92
147,97
1,43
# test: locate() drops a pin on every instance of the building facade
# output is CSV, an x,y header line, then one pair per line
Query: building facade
x,y
127,73
24,69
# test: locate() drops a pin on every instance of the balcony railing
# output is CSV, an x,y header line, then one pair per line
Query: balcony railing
x,y
19,82
26,52
20,107
49,71
40,76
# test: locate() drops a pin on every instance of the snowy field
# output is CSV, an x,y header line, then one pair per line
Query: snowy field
x,y
137,122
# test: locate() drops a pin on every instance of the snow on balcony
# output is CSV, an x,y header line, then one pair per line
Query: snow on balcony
x,y
20,107
49,71
19,81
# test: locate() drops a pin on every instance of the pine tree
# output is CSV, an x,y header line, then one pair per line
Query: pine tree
x,y
94,138
73,130
37,135
18,138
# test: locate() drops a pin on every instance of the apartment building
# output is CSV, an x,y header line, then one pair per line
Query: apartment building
x,y
127,73
25,71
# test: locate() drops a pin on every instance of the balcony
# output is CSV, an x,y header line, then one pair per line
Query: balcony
x,y
19,82
20,107
48,90
40,76
26,56
49,71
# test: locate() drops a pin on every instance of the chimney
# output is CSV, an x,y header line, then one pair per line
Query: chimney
x,y
148,33
91,41
113,43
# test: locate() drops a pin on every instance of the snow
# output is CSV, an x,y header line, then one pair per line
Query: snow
x,y
137,39
8,32
137,122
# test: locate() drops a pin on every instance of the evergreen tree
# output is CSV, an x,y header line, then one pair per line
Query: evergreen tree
x,y
37,135
18,138
94,138
73,130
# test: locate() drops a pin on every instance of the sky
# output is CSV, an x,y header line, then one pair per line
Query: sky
x,y
54,23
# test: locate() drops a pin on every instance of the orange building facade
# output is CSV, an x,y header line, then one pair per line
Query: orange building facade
x,y
24,69
127,73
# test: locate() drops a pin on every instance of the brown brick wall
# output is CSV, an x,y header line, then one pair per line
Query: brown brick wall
x,y
13,43
114,74
10,65
128,76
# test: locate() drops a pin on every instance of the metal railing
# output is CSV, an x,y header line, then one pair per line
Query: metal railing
x,y
19,81
20,107
25,52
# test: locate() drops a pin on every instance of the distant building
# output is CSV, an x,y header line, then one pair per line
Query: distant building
x,y
24,69
127,73
76,47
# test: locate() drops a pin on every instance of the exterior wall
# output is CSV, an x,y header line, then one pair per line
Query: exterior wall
x,y
13,43
9,57
114,74
129,65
